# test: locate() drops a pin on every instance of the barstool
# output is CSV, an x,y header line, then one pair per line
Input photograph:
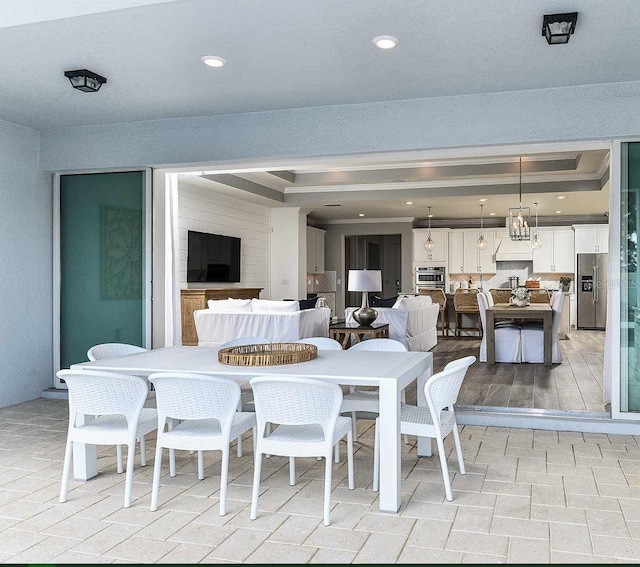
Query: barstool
x,y
465,301
438,296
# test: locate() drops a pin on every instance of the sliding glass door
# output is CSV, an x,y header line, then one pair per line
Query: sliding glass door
x,y
630,279
103,291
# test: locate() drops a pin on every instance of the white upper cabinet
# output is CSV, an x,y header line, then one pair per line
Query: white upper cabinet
x,y
315,250
556,253
439,254
456,252
563,255
591,239
464,256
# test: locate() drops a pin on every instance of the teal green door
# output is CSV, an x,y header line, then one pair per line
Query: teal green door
x,y
102,262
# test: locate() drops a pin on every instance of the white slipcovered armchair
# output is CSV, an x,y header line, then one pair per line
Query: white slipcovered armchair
x,y
412,321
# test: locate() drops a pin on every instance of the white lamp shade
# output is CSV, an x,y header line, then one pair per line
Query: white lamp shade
x,y
365,280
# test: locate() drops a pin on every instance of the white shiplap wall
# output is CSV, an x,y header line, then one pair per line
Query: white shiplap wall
x,y
206,210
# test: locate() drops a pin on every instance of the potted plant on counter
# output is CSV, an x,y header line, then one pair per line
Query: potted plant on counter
x,y
520,296
565,282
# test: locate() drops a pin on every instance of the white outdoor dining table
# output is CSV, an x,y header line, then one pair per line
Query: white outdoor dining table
x,y
391,372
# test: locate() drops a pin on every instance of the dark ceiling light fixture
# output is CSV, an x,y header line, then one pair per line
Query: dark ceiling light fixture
x,y
557,28
85,80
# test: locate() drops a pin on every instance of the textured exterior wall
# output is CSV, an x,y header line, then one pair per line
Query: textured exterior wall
x,y
26,366
560,114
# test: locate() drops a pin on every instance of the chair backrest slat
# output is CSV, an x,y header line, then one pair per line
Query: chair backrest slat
x,y
441,390
195,396
112,350
288,400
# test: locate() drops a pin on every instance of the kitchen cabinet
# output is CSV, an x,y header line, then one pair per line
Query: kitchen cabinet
x,y
438,256
456,252
590,239
556,253
315,250
464,256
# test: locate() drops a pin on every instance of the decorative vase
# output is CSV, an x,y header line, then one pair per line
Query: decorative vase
x,y
520,302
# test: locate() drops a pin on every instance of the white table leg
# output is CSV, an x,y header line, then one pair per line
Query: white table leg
x,y
424,443
85,457
390,476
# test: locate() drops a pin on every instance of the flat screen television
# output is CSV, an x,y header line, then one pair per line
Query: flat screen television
x,y
212,257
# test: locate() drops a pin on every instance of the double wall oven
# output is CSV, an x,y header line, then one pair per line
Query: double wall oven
x,y
430,278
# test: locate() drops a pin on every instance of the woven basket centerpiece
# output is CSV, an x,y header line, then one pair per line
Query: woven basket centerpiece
x,y
267,354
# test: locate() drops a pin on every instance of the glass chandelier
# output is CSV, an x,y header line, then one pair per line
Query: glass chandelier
x,y
536,243
429,244
519,217
482,243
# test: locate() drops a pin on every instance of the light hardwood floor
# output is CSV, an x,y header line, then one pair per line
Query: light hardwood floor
x,y
573,385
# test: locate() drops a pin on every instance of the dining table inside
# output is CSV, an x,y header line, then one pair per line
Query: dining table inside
x,y
534,311
391,372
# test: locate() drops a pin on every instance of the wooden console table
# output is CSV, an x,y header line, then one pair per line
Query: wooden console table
x,y
193,299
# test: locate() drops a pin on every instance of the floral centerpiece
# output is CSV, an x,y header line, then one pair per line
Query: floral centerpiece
x,y
520,296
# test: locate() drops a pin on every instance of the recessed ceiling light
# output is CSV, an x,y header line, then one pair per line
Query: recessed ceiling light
x,y
492,214
409,202
360,214
213,60
483,200
561,196
558,212
385,41
333,205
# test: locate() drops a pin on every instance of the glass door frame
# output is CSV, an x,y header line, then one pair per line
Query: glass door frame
x,y
147,260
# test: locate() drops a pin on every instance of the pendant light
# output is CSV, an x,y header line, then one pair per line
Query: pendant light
x,y
482,243
429,244
519,217
536,243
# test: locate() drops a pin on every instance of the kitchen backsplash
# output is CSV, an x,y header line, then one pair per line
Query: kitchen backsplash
x,y
505,270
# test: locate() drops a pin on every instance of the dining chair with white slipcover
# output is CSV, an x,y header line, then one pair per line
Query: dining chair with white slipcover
x,y
436,420
532,335
206,407
106,409
307,420
507,337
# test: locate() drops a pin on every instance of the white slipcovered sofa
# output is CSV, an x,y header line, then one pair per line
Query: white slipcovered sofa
x,y
278,321
412,321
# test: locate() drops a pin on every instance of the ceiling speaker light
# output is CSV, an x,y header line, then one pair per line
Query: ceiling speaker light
x,y
385,41
85,80
213,61
557,28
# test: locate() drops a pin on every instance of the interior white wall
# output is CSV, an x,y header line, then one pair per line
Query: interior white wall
x,y
591,112
26,361
335,257
207,210
288,253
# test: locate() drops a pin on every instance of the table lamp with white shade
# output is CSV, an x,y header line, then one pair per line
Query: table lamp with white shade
x,y
365,281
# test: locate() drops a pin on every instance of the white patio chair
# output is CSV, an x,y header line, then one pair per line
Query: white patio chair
x,y
206,406
246,395
323,343
367,400
117,401
532,335
306,412
507,336
113,350
245,341
437,420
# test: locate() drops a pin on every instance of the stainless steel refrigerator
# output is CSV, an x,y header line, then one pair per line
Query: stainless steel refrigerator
x,y
591,291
